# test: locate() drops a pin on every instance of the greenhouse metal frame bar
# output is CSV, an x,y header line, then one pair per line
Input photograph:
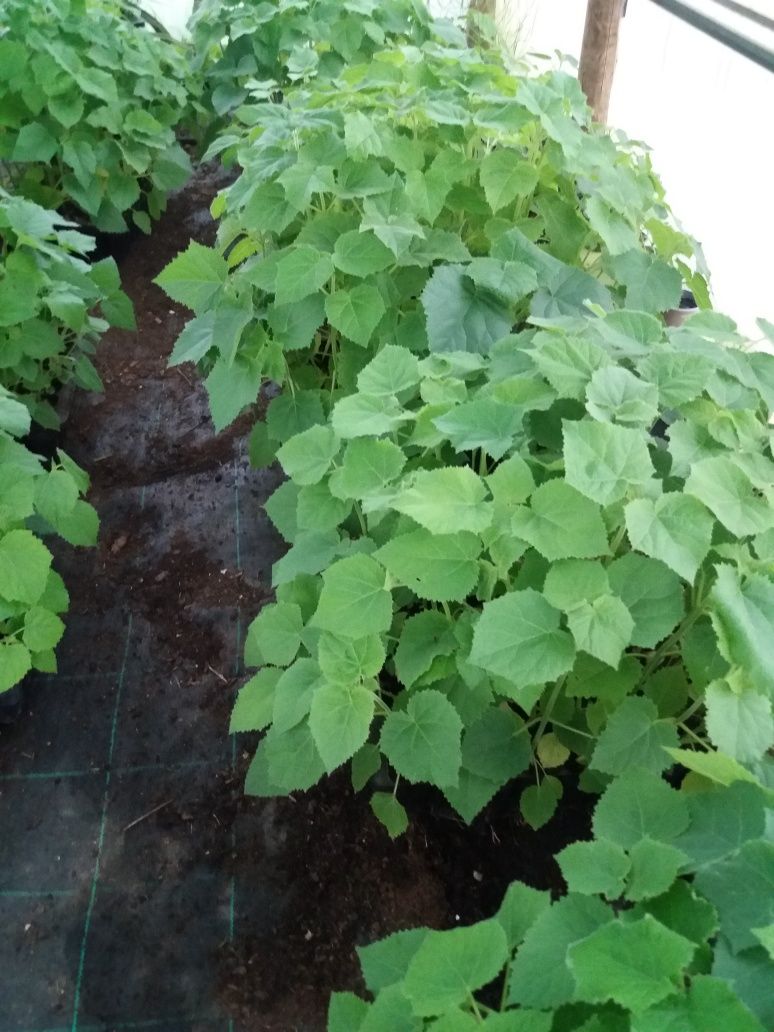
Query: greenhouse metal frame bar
x,y
735,41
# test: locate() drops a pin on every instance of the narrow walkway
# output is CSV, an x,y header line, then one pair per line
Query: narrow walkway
x,y
118,784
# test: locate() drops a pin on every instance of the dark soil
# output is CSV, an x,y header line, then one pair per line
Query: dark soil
x,y
251,908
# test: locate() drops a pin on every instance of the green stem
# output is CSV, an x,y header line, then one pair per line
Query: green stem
x,y
382,705
695,737
698,592
360,518
687,714
547,711
668,644
504,994
616,542
475,1008
574,730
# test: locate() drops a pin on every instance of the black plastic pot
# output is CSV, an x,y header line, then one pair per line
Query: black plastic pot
x,y
11,704
677,316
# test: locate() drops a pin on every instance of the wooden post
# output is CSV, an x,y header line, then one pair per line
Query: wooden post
x,y
598,53
479,7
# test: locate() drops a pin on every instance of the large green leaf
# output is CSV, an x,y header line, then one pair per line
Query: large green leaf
x,y
355,313
594,868
561,523
505,176
448,967
307,456
300,272
361,254
739,722
24,566
638,805
293,762
393,370
482,423
750,973
440,567
602,627
679,377
634,737
708,1003
604,461
652,593
615,395
346,660
365,415
293,694
568,363
651,284
496,746
674,528
424,636
741,888
445,500
367,466
254,706
742,615
385,962
340,719
195,277
422,742
15,663
396,231
354,601
539,975
570,582
511,280
35,142
42,629
521,907
635,963
517,637
722,820
655,866
461,316
274,636
731,495
231,387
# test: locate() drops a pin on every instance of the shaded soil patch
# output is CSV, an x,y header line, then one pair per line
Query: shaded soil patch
x,y
346,884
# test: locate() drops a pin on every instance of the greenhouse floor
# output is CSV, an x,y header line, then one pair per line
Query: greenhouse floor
x,y
139,889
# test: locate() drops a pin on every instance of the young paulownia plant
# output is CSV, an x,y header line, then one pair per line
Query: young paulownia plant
x,y
90,102
50,297
429,199
667,927
264,46
35,499
563,548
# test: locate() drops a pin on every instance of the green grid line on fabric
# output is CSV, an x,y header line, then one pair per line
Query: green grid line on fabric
x,y
140,768
108,676
35,893
101,834
48,775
